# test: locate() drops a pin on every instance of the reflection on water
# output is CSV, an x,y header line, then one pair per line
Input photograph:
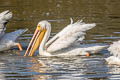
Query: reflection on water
x,y
27,13
58,68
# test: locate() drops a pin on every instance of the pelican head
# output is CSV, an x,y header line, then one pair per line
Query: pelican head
x,y
39,38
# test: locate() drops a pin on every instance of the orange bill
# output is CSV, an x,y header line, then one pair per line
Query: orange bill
x,y
36,31
35,42
88,54
19,46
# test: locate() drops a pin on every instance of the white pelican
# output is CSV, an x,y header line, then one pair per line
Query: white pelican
x,y
63,43
7,40
115,52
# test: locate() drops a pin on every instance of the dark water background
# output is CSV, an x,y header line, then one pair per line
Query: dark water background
x,y
27,13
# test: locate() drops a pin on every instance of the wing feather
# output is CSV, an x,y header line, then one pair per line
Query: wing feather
x,y
12,36
69,35
4,18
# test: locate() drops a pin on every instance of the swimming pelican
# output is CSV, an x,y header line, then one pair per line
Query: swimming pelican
x,y
65,43
115,52
7,40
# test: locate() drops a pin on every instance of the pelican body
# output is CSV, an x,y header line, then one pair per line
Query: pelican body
x,y
7,40
65,43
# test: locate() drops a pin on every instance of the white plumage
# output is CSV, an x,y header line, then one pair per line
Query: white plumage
x,y
115,49
7,40
4,17
112,60
115,52
69,35
66,41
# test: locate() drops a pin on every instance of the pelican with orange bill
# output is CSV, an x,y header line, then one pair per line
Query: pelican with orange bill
x,y
63,43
